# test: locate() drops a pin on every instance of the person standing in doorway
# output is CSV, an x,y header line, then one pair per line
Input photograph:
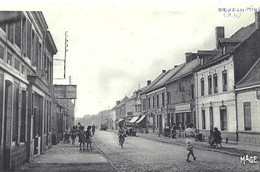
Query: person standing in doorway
x,y
190,139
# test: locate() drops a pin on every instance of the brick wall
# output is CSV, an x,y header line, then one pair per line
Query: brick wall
x,y
18,156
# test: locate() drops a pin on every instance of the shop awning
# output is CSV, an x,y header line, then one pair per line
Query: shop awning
x,y
140,119
135,118
120,120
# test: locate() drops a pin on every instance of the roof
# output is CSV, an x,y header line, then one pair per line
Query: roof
x,y
144,89
238,37
186,69
122,101
244,31
252,77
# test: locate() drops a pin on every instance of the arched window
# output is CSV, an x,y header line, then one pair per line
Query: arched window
x,y
215,81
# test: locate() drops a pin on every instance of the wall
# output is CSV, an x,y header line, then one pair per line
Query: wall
x,y
215,100
252,136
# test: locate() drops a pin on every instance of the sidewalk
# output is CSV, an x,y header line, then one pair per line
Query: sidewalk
x,y
230,148
68,157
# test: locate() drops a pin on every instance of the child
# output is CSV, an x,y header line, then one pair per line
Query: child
x,y
82,138
88,138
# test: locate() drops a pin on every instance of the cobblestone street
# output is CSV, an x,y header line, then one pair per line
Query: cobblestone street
x,y
141,154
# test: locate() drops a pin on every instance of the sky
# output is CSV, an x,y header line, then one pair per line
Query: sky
x,y
114,47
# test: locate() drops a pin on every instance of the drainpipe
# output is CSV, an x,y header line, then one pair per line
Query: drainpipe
x,y
197,102
236,116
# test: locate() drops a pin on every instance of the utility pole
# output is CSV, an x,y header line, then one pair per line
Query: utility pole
x,y
65,55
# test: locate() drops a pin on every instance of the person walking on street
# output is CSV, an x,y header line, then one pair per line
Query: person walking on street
x,y
82,138
217,137
73,134
93,129
190,138
88,138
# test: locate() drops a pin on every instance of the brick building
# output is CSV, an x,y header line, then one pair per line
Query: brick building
x,y
26,87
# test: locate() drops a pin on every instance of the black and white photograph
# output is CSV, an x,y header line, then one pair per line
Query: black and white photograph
x,y
129,86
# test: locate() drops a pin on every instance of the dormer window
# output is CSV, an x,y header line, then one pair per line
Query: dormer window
x,y
201,61
223,50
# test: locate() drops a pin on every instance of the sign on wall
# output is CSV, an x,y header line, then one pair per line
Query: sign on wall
x,y
65,91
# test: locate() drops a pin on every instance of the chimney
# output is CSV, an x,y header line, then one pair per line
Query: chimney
x,y
190,56
257,20
117,102
220,33
163,71
148,82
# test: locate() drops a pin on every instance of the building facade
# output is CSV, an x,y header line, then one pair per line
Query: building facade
x,y
26,73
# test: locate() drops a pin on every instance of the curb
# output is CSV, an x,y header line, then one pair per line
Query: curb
x,y
197,147
105,156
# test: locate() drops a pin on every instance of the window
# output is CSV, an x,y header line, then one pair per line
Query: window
x,y
192,91
18,35
144,104
149,102
215,79
201,61
163,99
211,118
1,52
23,118
49,117
203,119
202,86
1,104
224,78
169,97
10,33
9,59
223,118
247,115
29,39
24,37
153,101
2,26
16,64
23,69
15,113
157,100
210,84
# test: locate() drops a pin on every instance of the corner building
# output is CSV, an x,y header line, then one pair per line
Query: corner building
x,y
26,87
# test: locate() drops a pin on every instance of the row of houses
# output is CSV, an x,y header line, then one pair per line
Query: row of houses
x,y
30,117
212,88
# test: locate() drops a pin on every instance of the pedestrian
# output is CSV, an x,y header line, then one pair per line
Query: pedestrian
x,y
180,130
190,139
93,129
88,138
217,137
73,134
82,138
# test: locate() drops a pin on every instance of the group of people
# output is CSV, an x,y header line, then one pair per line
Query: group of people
x,y
84,136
